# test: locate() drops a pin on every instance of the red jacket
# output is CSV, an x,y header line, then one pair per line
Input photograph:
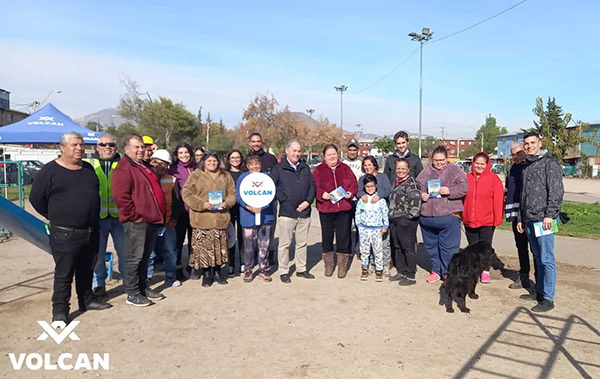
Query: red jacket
x,y
134,195
484,203
327,179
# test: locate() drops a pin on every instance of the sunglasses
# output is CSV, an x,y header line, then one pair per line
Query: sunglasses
x,y
109,144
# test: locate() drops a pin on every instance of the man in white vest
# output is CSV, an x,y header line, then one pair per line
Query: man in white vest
x,y
104,162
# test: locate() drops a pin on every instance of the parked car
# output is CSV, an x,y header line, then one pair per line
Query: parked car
x,y
30,169
498,168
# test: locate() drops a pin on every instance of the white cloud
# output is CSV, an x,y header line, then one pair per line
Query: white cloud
x,y
90,82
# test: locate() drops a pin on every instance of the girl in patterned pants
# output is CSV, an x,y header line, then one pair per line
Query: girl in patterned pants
x,y
372,221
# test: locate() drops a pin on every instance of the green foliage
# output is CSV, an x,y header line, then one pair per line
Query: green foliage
x,y
386,145
168,123
428,145
120,132
94,125
583,224
413,145
221,142
552,126
469,152
490,132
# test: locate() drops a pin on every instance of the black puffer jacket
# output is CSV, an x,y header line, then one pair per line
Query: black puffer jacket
x,y
542,192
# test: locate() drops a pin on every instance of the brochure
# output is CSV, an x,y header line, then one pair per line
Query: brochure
x,y
433,188
539,228
337,194
216,199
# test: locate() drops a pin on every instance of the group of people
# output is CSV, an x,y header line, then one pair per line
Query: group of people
x,y
150,200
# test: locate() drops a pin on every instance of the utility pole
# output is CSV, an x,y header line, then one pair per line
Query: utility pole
x,y
425,36
342,88
444,134
310,112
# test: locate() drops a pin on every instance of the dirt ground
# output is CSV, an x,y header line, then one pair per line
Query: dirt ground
x,y
322,328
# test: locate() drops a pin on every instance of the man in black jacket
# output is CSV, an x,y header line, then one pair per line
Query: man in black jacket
x,y
512,200
402,151
541,201
295,193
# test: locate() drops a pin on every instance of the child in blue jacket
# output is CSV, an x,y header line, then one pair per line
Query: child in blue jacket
x,y
372,222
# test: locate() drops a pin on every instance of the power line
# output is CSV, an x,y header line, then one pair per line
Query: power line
x,y
477,24
388,74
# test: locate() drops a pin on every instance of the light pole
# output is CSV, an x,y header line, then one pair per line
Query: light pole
x,y
37,105
342,88
310,112
425,36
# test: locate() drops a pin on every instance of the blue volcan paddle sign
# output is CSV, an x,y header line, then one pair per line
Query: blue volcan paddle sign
x,y
257,190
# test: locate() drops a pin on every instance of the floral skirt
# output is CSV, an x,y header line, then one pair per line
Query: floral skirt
x,y
209,248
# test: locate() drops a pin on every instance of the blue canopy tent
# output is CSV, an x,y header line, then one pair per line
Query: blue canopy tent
x,y
45,126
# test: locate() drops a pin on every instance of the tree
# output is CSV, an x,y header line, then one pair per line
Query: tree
x,y
469,152
385,145
131,105
429,144
94,125
489,133
553,123
121,131
413,145
168,122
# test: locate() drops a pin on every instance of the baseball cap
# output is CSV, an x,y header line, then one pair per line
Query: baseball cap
x,y
352,142
147,140
163,155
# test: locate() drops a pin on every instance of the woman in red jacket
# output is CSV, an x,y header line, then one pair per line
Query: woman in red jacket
x,y
335,216
484,204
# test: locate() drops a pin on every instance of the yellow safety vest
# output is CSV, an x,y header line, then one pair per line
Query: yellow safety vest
x,y
107,203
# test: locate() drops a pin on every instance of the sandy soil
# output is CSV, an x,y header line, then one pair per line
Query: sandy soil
x,y
324,328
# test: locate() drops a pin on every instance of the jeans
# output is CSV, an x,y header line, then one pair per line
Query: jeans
x,y
543,252
165,246
113,227
441,237
74,253
139,242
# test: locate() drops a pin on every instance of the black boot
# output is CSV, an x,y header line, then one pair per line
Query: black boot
x,y
222,274
207,277
195,275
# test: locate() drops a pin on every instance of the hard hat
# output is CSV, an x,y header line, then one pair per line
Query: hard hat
x,y
163,155
148,140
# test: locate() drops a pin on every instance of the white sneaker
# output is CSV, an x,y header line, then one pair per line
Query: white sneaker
x,y
175,283
243,269
386,272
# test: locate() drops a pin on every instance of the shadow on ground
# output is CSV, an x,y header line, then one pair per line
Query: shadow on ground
x,y
504,351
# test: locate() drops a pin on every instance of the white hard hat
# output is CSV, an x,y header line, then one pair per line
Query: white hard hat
x,y
163,155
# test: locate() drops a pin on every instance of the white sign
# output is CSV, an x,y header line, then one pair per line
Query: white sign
x,y
257,190
64,361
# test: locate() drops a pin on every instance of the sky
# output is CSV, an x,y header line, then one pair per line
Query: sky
x,y
219,55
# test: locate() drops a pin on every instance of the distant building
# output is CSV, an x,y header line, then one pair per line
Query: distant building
x,y
505,141
455,146
587,149
7,115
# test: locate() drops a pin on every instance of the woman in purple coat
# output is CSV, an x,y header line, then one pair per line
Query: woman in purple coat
x,y
181,169
443,186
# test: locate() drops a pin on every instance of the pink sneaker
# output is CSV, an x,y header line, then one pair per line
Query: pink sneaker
x,y
485,277
433,277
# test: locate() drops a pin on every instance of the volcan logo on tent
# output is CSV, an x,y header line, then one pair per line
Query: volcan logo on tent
x,y
45,120
35,361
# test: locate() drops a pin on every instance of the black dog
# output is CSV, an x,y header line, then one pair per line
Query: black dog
x,y
464,272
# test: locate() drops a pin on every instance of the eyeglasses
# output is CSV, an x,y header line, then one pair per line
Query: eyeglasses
x,y
109,144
